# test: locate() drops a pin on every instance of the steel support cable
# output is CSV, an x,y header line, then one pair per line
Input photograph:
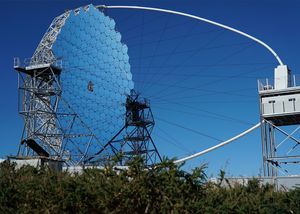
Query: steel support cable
x,y
218,145
169,39
208,112
188,77
214,92
176,93
190,130
84,52
134,38
216,117
154,54
124,20
172,141
168,28
213,65
187,58
192,52
222,26
229,93
197,75
87,53
206,102
172,53
141,45
184,75
186,99
200,19
132,28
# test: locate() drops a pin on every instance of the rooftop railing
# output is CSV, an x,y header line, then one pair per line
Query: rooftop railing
x,y
268,83
28,62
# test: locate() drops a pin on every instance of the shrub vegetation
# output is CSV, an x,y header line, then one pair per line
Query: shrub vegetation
x,y
163,189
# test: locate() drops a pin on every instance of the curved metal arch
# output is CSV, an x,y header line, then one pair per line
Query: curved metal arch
x,y
201,19
218,145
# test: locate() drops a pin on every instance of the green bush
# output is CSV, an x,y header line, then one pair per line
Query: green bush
x,y
165,188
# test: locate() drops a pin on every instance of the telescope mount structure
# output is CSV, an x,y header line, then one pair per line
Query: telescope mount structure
x,y
134,138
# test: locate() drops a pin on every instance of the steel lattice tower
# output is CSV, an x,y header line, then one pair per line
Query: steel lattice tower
x,y
39,93
134,139
47,132
280,120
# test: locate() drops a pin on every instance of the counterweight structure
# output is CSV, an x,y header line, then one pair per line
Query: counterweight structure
x,y
280,122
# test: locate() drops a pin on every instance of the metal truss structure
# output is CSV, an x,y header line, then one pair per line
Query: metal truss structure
x,y
280,126
279,147
47,132
134,139
43,53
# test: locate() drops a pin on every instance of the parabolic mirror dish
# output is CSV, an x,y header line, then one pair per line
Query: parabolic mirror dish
x,y
95,77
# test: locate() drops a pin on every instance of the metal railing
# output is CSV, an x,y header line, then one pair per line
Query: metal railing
x,y
268,83
265,84
28,62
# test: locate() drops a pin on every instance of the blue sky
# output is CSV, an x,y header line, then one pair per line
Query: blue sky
x,y
197,76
